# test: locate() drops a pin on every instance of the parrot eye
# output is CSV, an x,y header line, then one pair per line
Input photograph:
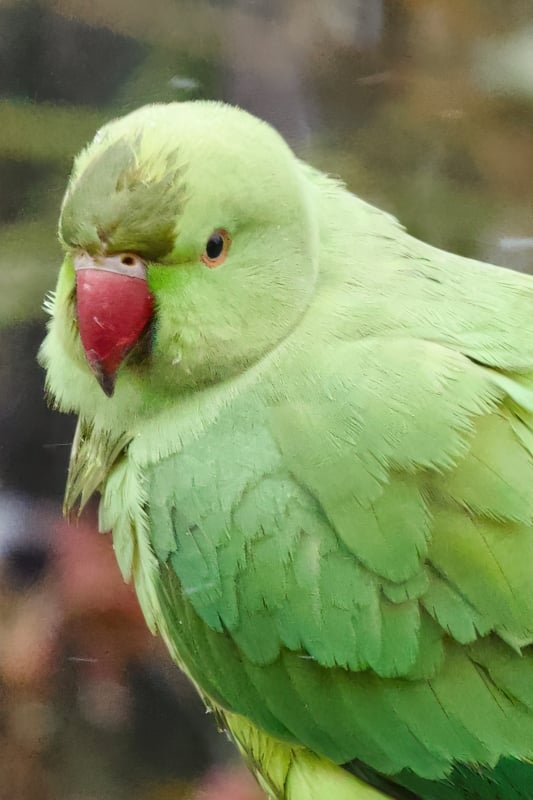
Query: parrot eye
x,y
216,248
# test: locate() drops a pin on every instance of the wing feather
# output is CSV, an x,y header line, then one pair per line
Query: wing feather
x,y
365,569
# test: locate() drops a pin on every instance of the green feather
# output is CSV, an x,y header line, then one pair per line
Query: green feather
x,y
320,478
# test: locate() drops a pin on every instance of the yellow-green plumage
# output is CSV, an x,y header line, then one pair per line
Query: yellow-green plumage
x,y
321,478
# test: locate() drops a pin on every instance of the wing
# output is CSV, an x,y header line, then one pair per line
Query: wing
x,y
349,565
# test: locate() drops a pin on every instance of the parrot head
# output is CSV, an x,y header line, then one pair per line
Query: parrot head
x,y
190,247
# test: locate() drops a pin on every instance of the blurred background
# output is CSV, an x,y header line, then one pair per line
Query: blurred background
x,y
424,107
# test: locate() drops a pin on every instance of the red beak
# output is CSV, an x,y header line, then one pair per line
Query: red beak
x,y
114,308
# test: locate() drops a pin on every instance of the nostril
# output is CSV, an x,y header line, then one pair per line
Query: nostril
x,y
26,565
128,261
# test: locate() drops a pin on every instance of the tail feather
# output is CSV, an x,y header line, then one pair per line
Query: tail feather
x,y
510,779
290,772
312,777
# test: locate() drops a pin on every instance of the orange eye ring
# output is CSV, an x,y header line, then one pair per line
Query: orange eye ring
x,y
216,248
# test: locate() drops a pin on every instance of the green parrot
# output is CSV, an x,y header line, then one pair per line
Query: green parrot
x,y
313,438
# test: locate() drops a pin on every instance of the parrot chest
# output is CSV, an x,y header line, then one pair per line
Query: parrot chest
x,y
201,510
195,493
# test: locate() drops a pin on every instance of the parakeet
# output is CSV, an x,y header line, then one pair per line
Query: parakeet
x,y
313,438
